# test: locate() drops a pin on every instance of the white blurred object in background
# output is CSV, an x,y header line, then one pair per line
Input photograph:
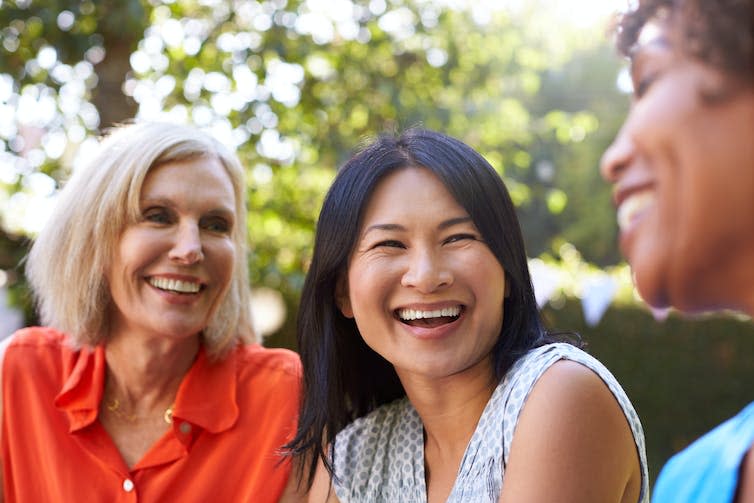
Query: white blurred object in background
x,y
267,311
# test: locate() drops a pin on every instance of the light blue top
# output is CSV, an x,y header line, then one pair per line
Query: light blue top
x,y
379,458
707,470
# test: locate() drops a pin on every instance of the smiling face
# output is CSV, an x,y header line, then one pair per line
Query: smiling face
x,y
173,266
683,170
424,289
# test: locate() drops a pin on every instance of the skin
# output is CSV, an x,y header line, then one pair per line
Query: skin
x,y
687,144
690,245
418,248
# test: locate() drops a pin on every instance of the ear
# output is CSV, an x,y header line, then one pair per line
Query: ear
x,y
342,298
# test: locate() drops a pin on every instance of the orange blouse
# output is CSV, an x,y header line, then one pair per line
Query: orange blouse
x,y
229,420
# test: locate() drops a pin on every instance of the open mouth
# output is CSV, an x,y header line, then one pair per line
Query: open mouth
x,y
431,318
633,207
175,285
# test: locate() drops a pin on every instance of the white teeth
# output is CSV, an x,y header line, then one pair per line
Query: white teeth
x,y
413,314
174,285
632,206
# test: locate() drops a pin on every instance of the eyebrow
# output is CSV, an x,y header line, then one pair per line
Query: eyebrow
x,y
397,227
167,202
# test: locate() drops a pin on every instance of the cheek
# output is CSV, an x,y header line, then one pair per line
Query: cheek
x,y
225,254
368,290
492,283
136,249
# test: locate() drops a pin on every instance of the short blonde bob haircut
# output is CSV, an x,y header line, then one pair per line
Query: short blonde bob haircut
x,y
67,263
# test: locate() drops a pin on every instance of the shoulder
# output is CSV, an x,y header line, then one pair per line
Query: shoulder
x,y
38,337
545,355
572,429
270,375
569,384
257,358
708,469
575,381
567,367
42,345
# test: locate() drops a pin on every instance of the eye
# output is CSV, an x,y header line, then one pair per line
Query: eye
x,y
389,243
157,215
216,224
642,86
459,237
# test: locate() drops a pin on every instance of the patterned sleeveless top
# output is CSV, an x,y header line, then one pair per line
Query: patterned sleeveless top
x,y
379,458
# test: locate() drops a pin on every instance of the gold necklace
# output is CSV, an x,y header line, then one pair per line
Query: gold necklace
x,y
114,406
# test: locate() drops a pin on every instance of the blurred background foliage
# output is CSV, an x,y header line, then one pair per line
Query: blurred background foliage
x,y
296,86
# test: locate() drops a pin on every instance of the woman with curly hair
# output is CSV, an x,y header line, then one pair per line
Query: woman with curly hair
x,y
683,170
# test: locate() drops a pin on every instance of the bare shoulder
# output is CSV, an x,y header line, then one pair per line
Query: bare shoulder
x,y
572,434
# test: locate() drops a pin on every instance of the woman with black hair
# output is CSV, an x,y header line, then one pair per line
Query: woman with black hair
x,y
428,375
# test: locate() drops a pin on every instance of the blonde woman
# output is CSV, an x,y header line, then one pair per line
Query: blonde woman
x,y
147,380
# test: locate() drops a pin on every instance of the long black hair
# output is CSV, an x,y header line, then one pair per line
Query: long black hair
x,y
343,377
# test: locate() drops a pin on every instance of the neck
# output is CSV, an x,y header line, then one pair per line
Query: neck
x,y
450,408
144,375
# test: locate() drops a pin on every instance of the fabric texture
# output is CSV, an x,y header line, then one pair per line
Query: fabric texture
x,y
229,420
380,457
707,471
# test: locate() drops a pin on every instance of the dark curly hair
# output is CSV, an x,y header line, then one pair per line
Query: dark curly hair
x,y
718,33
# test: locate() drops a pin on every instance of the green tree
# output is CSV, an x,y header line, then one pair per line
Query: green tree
x,y
295,86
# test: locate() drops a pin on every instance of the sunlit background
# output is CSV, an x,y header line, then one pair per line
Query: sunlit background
x,y
43,125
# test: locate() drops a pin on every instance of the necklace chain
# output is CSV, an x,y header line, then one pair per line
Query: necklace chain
x,y
113,405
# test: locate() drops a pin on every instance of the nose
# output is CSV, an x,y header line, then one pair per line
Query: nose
x,y
617,157
427,272
187,247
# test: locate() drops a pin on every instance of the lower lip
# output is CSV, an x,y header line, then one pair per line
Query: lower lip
x,y
174,298
434,333
628,233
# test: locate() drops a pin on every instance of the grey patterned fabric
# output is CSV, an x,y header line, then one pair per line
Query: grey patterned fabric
x,y
379,458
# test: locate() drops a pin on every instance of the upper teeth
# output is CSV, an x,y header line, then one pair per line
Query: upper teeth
x,y
175,285
413,314
632,206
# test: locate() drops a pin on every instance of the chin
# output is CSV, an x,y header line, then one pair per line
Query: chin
x,y
682,301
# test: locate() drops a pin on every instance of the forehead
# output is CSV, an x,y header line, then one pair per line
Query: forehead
x,y
198,178
410,191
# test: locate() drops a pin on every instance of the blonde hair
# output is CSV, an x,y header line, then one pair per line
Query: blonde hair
x,y
67,263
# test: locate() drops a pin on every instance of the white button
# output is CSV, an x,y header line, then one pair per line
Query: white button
x,y
128,485
185,428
